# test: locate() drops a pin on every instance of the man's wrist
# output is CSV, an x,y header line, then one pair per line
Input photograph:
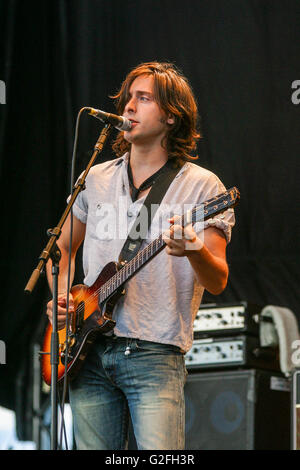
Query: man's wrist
x,y
194,246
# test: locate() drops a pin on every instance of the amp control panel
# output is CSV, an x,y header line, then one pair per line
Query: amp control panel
x,y
211,352
238,351
226,319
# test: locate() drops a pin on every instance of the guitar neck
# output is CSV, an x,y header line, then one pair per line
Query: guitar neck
x,y
201,213
130,268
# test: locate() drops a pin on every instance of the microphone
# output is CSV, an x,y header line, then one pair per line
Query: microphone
x,y
119,122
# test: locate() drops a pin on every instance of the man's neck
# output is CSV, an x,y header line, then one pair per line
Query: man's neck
x,y
147,160
144,162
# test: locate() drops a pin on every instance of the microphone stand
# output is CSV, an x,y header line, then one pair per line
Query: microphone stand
x,y
52,251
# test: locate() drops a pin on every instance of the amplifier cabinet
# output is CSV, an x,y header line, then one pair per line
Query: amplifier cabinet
x,y
237,410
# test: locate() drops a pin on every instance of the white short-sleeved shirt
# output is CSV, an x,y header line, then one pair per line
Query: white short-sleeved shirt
x,y
162,299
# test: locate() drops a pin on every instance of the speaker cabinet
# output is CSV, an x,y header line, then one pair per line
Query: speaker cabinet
x,y
238,410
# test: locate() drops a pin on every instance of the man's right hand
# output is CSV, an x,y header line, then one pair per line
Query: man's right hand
x,y
61,309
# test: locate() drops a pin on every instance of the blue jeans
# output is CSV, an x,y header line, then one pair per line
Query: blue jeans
x,y
147,382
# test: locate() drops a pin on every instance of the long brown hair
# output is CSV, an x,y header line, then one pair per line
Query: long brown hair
x,y
174,96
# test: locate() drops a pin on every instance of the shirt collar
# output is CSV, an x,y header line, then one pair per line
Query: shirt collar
x,y
125,159
122,159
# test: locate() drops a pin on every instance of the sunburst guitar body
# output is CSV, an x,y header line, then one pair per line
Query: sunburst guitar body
x,y
89,318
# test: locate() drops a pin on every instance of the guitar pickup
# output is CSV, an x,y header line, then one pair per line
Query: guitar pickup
x,y
79,315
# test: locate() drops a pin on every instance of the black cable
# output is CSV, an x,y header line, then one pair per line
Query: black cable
x,y
65,382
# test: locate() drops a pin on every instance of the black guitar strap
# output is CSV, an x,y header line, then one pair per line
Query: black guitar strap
x,y
149,208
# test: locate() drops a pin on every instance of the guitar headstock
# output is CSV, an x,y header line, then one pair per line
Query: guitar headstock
x,y
223,201
216,205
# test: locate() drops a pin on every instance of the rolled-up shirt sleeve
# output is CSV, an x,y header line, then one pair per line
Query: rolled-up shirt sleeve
x,y
223,221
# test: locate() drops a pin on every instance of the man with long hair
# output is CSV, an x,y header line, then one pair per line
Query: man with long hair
x,y
139,369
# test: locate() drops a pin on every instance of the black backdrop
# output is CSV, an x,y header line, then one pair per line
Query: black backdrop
x,y
241,57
